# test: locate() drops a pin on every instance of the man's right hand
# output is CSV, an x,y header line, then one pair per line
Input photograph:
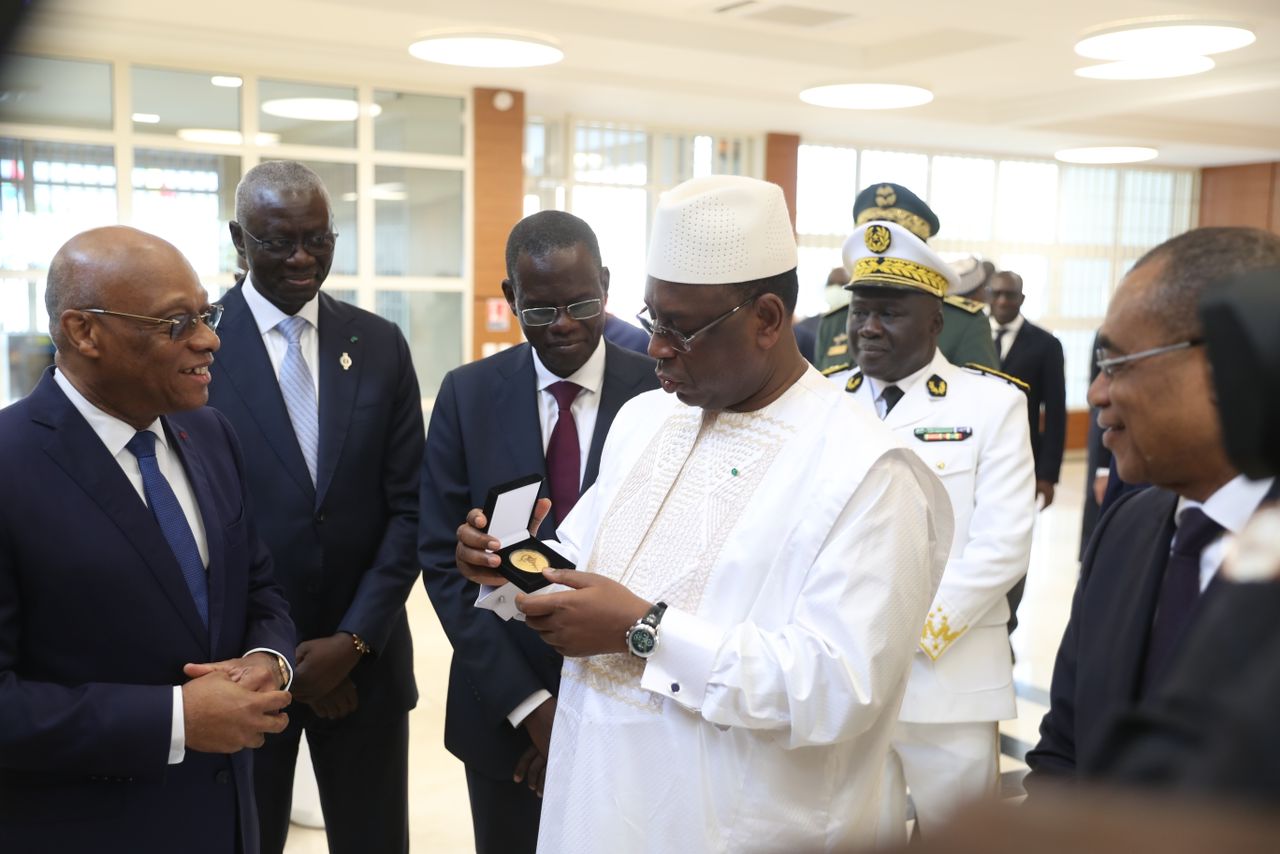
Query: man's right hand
x,y
222,716
538,725
475,550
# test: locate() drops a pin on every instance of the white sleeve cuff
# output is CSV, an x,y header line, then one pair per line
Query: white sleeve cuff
x,y
522,711
287,665
681,665
177,730
1101,471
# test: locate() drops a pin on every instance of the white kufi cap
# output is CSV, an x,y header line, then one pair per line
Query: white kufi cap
x,y
719,230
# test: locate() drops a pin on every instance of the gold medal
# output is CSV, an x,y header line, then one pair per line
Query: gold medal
x,y
529,560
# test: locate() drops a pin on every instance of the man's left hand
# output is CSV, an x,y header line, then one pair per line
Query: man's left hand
x,y
590,619
257,671
322,664
338,703
1045,488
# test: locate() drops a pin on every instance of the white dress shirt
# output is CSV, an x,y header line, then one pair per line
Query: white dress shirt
x,y
1012,328
267,316
584,408
1231,506
115,435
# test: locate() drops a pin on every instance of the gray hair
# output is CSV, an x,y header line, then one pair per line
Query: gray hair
x,y
1195,261
277,176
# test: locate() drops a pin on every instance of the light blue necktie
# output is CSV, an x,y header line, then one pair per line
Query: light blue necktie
x,y
299,392
173,522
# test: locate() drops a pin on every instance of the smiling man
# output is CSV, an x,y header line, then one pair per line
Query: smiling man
x,y
325,400
751,581
1155,556
127,558
543,407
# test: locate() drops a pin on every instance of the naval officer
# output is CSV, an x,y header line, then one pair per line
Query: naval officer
x,y
969,425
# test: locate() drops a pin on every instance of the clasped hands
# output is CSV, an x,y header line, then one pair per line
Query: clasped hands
x,y
230,705
592,618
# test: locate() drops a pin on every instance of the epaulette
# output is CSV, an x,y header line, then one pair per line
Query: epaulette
x,y
835,369
992,372
836,310
965,304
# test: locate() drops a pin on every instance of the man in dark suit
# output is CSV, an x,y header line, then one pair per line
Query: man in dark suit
x,y
496,420
1156,554
1034,355
139,622
325,400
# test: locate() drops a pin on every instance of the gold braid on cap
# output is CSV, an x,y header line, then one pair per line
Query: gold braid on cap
x,y
899,271
906,219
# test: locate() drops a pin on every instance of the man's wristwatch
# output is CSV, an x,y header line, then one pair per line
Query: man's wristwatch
x,y
642,638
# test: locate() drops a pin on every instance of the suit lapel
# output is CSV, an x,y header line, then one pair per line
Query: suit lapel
x,y
244,363
1135,611
912,408
618,387
518,393
80,453
340,365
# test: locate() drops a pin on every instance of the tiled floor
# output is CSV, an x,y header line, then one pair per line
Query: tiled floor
x,y
439,820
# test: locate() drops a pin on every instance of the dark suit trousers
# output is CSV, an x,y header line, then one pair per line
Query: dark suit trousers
x,y
504,815
362,772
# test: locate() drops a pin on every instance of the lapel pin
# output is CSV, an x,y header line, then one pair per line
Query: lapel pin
x,y
182,434
355,338
345,361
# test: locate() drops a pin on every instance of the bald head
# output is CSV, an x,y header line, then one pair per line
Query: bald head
x,y
92,268
273,180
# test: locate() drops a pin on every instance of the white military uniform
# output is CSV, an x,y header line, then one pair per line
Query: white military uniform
x,y
971,428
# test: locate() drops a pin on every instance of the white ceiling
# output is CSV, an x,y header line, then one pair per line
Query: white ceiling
x,y
1001,70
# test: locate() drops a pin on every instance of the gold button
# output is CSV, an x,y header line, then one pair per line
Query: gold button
x,y
942,465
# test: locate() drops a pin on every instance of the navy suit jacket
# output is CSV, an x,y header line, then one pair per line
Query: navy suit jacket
x,y
344,547
1035,357
1098,672
96,623
485,431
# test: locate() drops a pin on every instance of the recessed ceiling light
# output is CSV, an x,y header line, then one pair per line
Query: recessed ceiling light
x,y
226,81
1154,68
146,118
1160,37
1106,154
224,137
317,109
866,96
487,50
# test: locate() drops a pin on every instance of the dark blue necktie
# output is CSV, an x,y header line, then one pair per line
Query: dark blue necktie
x,y
173,522
1179,591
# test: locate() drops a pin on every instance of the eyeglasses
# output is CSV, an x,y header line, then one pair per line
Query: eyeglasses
x,y
1108,366
317,243
546,315
181,326
680,342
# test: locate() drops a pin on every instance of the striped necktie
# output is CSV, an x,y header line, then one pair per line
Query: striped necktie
x,y
299,391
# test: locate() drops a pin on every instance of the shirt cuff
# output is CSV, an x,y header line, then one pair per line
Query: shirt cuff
x,y
178,729
287,666
681,665
522,711
1101,471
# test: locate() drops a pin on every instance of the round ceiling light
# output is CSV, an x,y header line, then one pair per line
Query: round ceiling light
x,y
866,96
224,137
1160,37
317,109
1154,68
486,50
1106,154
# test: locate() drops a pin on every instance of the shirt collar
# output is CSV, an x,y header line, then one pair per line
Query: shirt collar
x,y
266,315
908,382
1233,503
1012,326
113,432
590,376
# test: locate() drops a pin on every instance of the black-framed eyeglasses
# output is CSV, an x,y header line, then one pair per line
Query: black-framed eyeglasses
x,y
1108,364
316,243
181,326
546,315
680,342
